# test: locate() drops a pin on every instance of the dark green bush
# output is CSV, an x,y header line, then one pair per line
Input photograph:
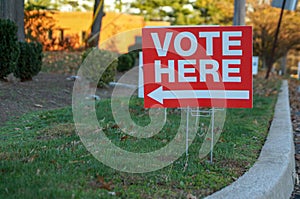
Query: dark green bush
x,y
99,62
128,60
30,60
125,62
9,48
134,55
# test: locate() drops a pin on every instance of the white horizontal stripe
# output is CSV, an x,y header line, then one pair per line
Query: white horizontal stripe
x,y
206,94
159,94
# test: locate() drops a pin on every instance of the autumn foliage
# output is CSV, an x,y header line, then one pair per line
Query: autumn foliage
x,y
40,26
264,20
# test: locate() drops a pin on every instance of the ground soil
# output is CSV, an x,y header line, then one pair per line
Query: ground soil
x,y
46,91
294,92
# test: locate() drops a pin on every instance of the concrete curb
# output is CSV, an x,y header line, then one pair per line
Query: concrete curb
x,y
271,176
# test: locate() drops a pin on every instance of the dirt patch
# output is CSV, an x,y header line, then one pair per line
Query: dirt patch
x,y
294,94
46,91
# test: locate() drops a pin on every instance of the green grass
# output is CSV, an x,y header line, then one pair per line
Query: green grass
x,y
41,156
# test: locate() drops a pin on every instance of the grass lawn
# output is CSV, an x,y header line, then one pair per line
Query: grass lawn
x,y
41,156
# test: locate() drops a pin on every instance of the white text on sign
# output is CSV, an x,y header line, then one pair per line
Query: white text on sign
x,y
205,66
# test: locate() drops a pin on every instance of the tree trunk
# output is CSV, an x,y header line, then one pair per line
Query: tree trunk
x,y
264,63
96,28
19,19
14,10
6,11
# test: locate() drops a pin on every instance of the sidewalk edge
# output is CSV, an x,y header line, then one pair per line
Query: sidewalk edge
x,y
272,174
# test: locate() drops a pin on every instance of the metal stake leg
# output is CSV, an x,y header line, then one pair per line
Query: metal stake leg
x,y
165,119
212,135
187,139
187,132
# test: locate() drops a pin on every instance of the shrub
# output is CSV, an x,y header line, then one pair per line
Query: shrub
x,y
125,62
99,61
134,54
30,60
9,48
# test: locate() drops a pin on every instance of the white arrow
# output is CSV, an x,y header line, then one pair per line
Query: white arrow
x,y
159,94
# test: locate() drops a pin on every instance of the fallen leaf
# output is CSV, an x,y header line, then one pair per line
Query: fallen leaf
x,y
125,137
112,193
190,196
74,161
115,126
31,159
93,97
100,183
38,105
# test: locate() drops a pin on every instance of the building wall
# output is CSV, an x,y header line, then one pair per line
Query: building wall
x,y
118,29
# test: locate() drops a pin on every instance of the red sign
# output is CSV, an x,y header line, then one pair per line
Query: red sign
x,y
201,66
